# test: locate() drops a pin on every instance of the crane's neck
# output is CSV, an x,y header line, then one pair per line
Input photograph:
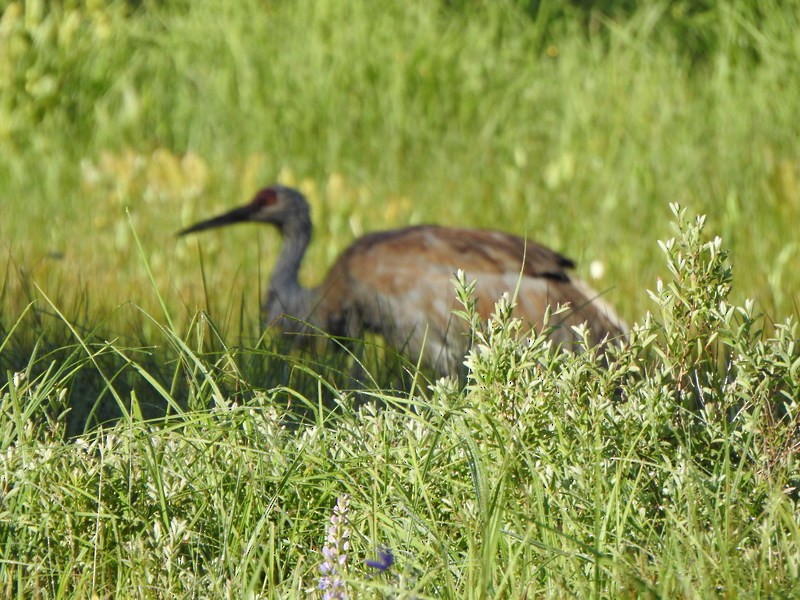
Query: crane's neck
x,y
285,295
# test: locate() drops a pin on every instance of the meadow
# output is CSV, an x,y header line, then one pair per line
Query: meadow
x,y
668,471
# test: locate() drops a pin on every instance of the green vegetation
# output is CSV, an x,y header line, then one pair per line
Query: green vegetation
x,y
671,470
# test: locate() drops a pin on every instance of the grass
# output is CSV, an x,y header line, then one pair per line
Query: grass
x,y
670,471
659,473
387,115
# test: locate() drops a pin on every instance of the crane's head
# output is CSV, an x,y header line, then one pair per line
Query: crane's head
x,y
282,206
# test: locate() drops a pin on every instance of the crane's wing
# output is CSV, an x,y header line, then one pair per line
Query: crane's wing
x,y
399,284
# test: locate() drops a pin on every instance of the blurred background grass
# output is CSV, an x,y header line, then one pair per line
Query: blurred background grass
x,y
572,124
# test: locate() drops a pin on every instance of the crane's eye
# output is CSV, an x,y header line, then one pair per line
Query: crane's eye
x,y
266,197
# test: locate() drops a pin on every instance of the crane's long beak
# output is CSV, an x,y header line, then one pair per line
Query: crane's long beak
x,y
237,215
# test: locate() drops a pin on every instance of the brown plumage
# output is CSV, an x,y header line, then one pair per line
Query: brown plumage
x,y
399,284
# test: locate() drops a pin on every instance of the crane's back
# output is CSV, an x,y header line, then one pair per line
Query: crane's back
x,y
399,284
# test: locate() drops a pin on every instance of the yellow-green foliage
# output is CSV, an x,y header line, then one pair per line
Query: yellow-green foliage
x,y
575,132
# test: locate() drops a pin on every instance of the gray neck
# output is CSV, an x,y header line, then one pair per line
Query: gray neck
x,y
285,295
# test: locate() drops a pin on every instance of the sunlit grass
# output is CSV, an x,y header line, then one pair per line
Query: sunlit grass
x,y
652,472
387,115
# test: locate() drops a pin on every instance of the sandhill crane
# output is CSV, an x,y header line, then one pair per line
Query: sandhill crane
x,y
398,283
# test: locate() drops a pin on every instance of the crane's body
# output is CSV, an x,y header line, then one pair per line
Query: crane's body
x,y
399,283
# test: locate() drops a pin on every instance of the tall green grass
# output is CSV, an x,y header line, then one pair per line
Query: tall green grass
x,y
388,114
666,469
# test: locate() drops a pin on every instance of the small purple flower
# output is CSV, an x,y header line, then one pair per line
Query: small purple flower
x,y
334,553
383,562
